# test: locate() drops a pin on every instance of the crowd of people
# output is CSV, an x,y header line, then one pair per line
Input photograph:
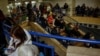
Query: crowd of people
x,y
35,11
49,17
83,10
19,39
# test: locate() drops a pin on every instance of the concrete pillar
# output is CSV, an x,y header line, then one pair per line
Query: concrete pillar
x,y
3,6
71,4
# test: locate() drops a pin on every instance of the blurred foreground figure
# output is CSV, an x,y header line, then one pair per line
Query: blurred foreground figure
x,y
3,41
20,43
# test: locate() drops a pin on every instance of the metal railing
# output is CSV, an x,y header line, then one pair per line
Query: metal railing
x,y
8,36
58,37
71,20
63,38
96,26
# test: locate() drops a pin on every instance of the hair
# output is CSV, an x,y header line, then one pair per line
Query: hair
x,y
18,33
2,16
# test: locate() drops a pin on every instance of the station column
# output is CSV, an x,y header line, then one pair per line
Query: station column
x,y
71,4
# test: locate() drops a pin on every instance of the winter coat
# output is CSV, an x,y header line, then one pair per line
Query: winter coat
x,y
26,49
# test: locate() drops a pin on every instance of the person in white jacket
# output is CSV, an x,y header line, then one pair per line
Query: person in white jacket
x,y
20,43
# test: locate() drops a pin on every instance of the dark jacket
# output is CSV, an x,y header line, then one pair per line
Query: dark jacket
x,y
2,17
3,41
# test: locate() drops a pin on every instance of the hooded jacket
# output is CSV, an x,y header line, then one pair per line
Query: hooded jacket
x,y
26,49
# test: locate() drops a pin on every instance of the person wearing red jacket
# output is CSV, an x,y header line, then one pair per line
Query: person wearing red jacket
x,y
50,18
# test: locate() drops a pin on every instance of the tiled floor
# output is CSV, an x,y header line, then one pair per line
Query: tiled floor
x,y
82,51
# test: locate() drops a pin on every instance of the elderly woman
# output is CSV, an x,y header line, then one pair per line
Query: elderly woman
x,y
20,43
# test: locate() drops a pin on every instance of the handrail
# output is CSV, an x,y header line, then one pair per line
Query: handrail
x,y
73,19
64,38
59,48
35,43
45,46
59,37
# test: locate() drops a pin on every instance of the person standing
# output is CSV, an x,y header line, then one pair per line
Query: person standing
x,y
83,7
29,9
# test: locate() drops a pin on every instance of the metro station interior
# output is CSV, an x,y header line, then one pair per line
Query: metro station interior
x,y
49,27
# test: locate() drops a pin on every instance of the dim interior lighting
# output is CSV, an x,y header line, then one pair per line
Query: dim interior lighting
x,y
15,3
8,10
39,0
26,3
11,5
8,7
19,3
15,0
33,1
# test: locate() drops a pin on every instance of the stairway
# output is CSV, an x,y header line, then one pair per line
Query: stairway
x,y
96,32
68,19
82,51
59,48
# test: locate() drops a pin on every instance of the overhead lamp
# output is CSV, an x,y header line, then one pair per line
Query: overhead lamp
x,y
33,2
15,0
26,3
